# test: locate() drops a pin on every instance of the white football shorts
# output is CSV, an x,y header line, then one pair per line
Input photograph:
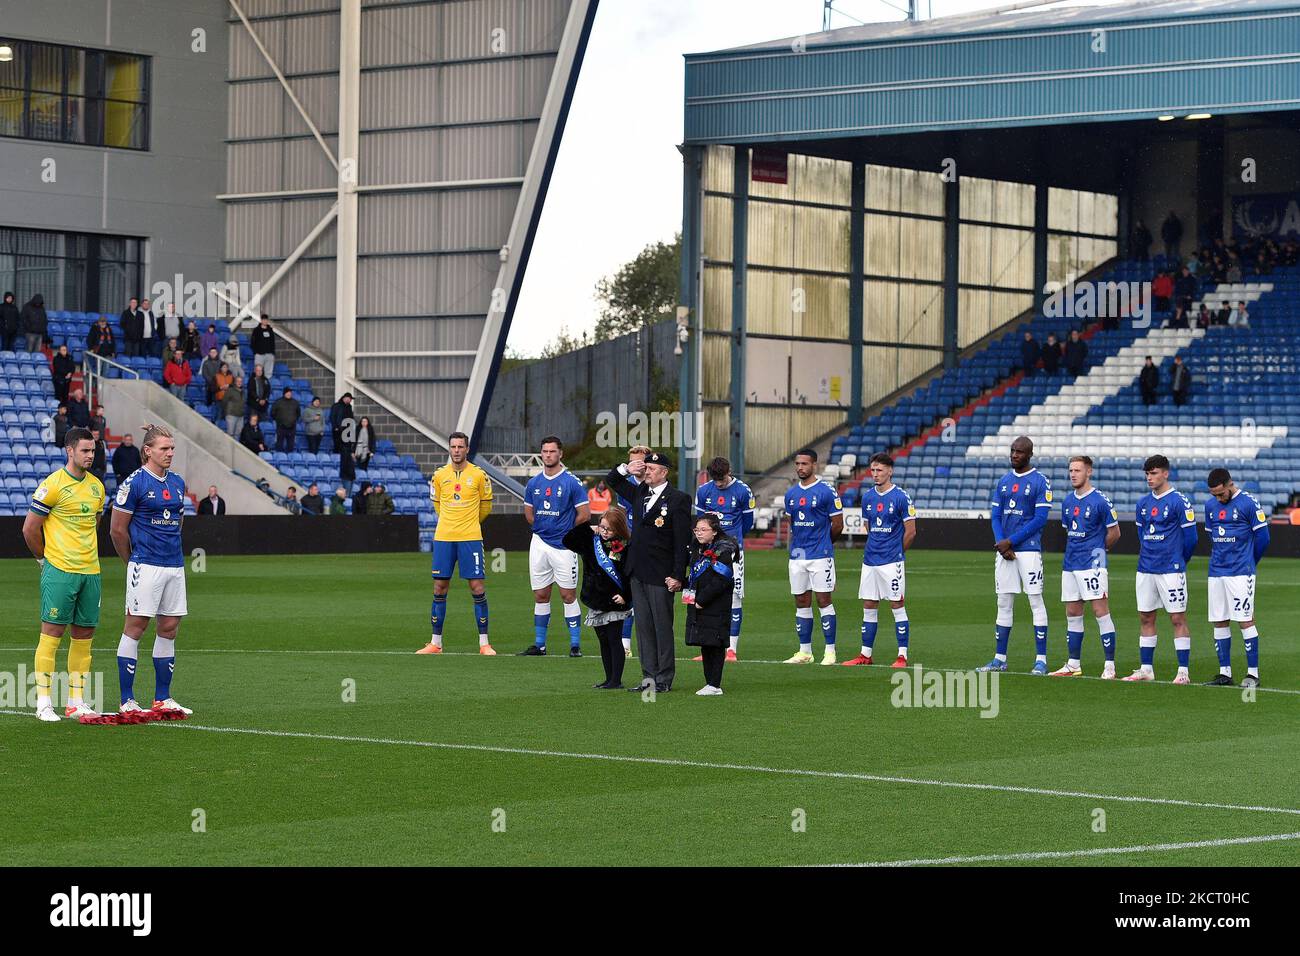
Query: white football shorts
x,y
1024,574
549,565
1156,591
152,591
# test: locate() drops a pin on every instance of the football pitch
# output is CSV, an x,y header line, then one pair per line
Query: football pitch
x,y
319,738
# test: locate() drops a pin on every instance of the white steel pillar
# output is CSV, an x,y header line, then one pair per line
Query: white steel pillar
x,y
345,321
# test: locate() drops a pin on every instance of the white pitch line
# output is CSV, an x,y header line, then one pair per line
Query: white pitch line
x,y
565,656
1072,854
708,765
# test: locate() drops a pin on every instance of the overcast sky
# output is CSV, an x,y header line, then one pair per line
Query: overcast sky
x,y
617,184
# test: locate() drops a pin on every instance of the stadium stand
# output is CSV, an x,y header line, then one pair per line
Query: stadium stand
x,y
27,401
1243,411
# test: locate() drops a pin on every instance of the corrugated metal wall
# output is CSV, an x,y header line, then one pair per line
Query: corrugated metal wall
x,y
449,91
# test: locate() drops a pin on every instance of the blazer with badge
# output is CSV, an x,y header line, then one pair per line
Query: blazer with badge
x,y
659,539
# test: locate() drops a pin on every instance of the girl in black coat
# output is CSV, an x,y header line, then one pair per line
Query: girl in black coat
x,y
606,590
707,596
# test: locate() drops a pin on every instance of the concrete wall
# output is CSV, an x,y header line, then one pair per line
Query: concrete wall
x,y
165,194
204,454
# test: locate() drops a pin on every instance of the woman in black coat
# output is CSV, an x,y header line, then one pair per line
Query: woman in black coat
x,y
8,322
707,596
606,589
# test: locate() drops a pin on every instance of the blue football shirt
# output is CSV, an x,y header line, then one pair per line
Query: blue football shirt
x,y
1160,521
1232,529
884,516
1086,521
555,502
1019,497
156,506
810,509
730,504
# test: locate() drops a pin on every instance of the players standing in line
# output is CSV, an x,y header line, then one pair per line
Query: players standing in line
x,y
635,453
816,520
1167,531
555,501
60,531
146,533
1239,536
1019,510
461,493
732,501
1091,529
890,519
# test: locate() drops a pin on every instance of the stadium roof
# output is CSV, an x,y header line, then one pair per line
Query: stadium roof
x,y
1007,70
1008,19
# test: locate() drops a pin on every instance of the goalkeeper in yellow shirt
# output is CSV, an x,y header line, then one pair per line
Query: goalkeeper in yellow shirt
x,y
461,493
61,530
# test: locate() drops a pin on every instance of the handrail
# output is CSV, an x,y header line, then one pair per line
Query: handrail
x,y
88,375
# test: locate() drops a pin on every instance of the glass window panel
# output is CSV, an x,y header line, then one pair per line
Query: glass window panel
x,y
124,125
47,68
45,119
75,120
77,72
13,72
976,198
11,112
124,77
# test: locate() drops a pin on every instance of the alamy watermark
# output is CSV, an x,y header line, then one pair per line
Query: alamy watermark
x,y
1099,300
18,689
917,687
211,300
623,429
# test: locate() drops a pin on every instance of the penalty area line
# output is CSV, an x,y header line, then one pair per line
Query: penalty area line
x,y
1074,854
710,765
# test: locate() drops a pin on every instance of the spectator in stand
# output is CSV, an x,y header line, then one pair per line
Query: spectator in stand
x,y
169,350
259,393
192,342
150,337
1171,231
1234,270
9,323
360,498
1149,381
364,447
230,355
100,339
209,339
339,503
1029,353
1263,262
1290,253
251,435
213,504
1203,317
380,502
285,413
232,406
177,374
222,382
99,467
33,322
1162,288
1179,319
172,328
347,469
1141,242
98,422
1222,316
132,324
61,424
1051,355
78,412
313,422
263,338
312,502
1185,288
1192,264
126,459
62,369
598,500
1076,354
341,414
1180,381
209,369
291,501
1240,319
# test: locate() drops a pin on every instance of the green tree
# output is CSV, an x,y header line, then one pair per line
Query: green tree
x,y
642,292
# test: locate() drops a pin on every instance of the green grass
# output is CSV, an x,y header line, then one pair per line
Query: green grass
x,y
270,642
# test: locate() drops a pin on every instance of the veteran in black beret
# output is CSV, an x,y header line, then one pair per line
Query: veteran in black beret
x,y
656,561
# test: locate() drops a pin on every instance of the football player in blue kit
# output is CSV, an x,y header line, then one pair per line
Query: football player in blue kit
x,y
1238,539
